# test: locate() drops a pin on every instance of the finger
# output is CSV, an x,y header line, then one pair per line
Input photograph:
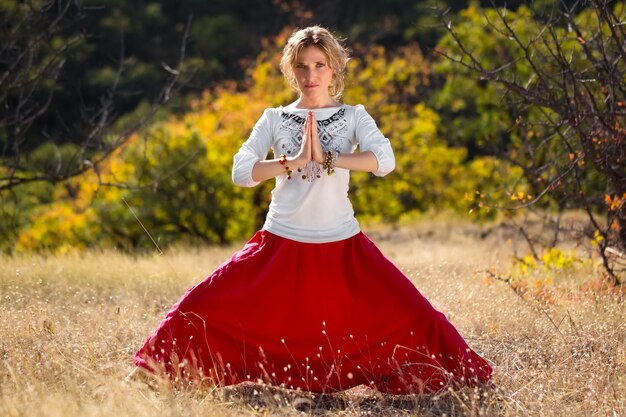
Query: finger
x,y
313,127
307,128
314,134
306,138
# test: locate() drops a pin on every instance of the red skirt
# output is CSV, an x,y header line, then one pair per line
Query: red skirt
x,y
318,317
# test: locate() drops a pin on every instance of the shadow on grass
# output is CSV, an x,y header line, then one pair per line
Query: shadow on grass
x,y
363,401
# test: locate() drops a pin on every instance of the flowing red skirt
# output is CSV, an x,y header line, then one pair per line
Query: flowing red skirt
x,y
317,317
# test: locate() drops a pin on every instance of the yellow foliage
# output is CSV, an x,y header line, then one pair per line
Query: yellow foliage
x,y
550,264
526,265
554,258
60,229
597,239
174,177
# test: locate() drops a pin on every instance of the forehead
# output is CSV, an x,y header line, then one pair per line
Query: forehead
x,y
311,54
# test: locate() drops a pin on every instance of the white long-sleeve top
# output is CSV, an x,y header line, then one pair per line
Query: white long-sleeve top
x,y
312,206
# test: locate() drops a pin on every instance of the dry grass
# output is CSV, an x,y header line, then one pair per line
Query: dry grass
x,y
70,324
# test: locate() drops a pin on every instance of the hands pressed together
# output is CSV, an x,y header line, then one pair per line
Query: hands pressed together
x,y
311,150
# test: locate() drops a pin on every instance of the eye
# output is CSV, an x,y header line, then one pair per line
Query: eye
x,y
320,65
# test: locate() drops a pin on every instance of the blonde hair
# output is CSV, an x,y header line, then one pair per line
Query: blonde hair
x,y
321,38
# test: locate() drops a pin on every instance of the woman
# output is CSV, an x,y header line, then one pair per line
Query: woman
x,y
310,302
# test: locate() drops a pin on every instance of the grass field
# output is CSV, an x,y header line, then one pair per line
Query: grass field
x,y
70,324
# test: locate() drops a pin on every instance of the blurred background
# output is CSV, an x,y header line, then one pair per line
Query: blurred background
x,y
119,119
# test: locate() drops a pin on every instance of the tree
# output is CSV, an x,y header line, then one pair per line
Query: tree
x,y
564,76
68,99
171,183
40,40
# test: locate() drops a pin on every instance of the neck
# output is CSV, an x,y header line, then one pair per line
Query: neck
x,y
315,102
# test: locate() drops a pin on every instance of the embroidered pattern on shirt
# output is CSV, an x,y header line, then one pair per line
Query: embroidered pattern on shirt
x,y
331,132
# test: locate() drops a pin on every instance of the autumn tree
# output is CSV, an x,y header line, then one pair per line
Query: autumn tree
x,y
171,183
70,95
559,83
52,128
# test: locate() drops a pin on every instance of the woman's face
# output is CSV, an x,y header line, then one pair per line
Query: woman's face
x,y
312,71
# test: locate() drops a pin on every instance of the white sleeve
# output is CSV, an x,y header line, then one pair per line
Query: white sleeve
x,y
254,149
370,138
